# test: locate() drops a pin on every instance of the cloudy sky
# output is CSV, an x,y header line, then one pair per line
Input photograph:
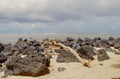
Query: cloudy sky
x,y
60,16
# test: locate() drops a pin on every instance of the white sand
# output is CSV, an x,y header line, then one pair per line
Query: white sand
x,y
77,71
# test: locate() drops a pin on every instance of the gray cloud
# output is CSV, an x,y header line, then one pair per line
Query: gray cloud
x,y
74,16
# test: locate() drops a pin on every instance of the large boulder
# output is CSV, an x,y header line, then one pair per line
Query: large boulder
x,y
103,43
86,52
66,57
28,66
102,55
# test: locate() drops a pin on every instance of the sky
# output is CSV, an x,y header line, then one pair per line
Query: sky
x,y
59,16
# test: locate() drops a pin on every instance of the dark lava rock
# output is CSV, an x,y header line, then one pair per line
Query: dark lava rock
x,y
103,43
28,66
111,39
96,39
20,46
86,52
66,57
94,43
7,50
3,58
102,55
1,47
69,39
86,41
79,40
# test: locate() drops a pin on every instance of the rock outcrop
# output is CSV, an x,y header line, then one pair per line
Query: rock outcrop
x,y
28,66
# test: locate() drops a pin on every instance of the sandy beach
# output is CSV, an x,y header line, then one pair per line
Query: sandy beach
x,y
77,71
107,69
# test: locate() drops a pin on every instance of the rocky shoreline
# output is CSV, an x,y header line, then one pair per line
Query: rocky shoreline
x,y
32,58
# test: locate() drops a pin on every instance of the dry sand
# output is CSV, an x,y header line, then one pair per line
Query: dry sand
x,y
109,69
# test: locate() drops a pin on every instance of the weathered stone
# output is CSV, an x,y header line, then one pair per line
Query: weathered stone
x,y
111,39
86,41
3,58
28,66
69,39
86,52
1,47
102,55
66,57
103,43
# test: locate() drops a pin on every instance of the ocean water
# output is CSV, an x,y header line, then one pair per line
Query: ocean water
x,y
6,38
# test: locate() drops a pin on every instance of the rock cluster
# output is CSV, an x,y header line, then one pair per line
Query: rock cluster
x,y
85,48
27,58
24,58
28,66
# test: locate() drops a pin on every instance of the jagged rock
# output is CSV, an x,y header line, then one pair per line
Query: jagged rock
x,y
86,41
20,46
1,47
79,40
86,52
103,43
95,42
3,58
69,39
66,57
102,55
28,66
8,51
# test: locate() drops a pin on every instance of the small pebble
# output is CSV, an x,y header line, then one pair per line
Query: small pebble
x,y
61,69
